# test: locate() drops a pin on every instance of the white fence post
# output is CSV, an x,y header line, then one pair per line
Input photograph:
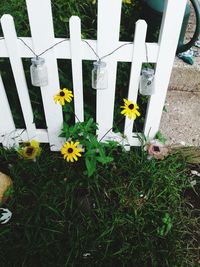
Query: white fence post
x,y
41,24
75,46
138,52
109,14
168,40
18,73
7,126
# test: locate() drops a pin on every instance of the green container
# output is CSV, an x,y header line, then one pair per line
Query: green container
x,y
154,13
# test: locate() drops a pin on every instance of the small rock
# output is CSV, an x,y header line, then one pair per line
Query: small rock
x,y
5,184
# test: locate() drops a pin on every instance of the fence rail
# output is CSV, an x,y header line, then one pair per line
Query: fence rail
x,y
76,49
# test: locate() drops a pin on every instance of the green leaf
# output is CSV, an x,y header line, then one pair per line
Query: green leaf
x,y
102,152
62,134
67,117
91,152
94,141
91,166
104,160
160,137
65,126
89,123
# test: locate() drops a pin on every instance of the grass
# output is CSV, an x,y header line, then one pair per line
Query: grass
x,y
118,216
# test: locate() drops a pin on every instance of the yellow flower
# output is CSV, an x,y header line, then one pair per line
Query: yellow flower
x,y
63,95
30,150
127,1
130,109
71,151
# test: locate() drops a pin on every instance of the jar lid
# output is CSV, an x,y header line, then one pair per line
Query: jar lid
x,y
37,60
148,71
99,63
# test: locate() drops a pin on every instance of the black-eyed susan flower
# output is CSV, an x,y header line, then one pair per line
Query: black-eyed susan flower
x,y
63,96
130,109
30,150
71,151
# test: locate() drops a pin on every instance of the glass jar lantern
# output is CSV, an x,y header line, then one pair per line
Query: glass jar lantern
x,y
99,76
147,85
39,76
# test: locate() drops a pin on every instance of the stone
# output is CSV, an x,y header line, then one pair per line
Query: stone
x,y
5,183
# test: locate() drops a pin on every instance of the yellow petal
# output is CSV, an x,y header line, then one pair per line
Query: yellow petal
x,y
76,143
71,158
136,106
35,143
75,157
137,113
62,101
63,150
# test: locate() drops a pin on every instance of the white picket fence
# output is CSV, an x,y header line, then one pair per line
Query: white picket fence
x,y
109,14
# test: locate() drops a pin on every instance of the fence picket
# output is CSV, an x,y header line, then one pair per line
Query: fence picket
x,y
18,72
75,46
7,126
138,53
168,43
41,24
107,40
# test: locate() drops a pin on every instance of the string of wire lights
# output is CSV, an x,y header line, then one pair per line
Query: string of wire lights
x,y
67,39
99,73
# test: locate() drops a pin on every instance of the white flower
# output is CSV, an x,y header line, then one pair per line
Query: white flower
x,y
156,149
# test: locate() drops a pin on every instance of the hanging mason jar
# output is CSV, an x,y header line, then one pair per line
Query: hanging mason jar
x,y
147,85
99,76
39,76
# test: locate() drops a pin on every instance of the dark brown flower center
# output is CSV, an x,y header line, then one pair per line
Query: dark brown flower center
x,y
131,106
156,148
62,93
70,150
29,151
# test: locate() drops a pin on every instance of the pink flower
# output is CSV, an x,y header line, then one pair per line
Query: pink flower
x,y
157,150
